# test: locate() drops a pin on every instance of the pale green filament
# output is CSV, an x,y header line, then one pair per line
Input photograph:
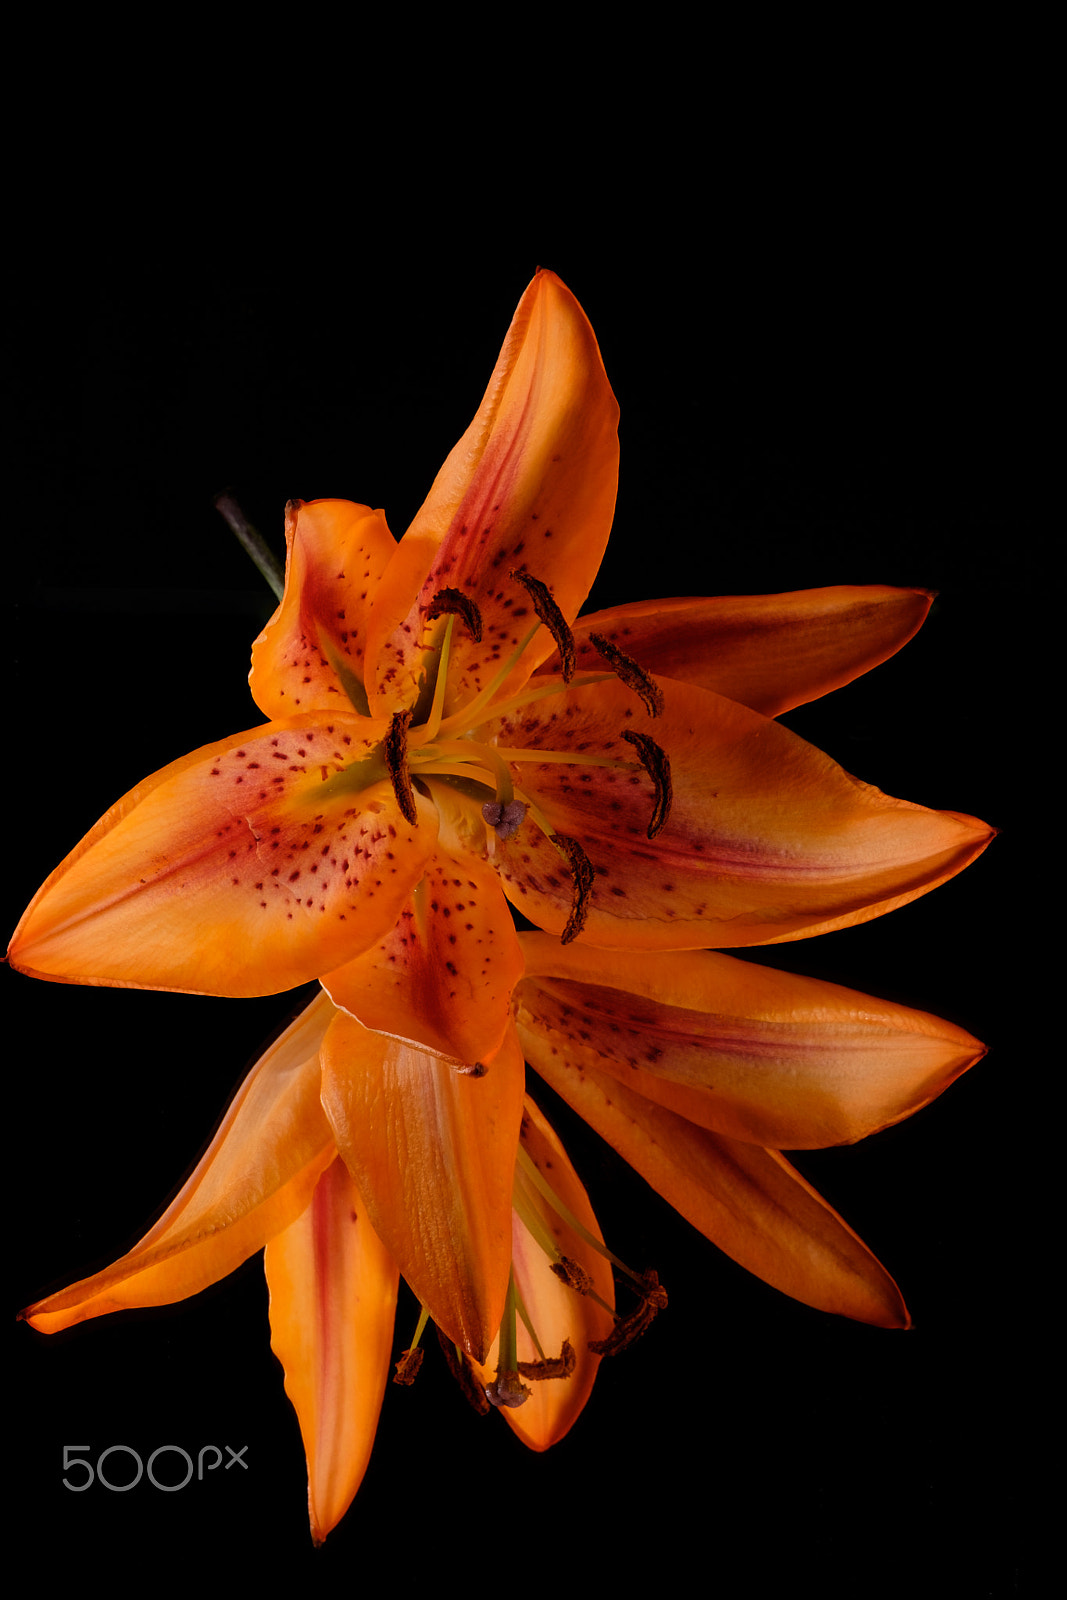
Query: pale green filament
x,y
433,722
542,1185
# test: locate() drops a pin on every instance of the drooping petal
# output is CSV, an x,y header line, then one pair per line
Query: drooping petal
x,y
255,1178
248,867
332,1303
769,651
767,840
432,1150
762,1056
530,486
310,656
557,1313
443,976
747,1200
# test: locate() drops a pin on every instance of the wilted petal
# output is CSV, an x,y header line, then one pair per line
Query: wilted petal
x,y
556,1312
791,1063
769,651
768,840
332,1303
747,1200
256,1177
432,1150
248,867
531,485
310,656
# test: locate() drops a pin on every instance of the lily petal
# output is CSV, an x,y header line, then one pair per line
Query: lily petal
x,y
432,1150
442,978
333,1294
748,1201
762,1056
531,485
768,839
248,867
556,1312
310,656
769,651
256,1177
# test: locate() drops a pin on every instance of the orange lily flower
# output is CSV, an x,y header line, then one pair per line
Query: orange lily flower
x,y
693,1065
432,723
272,1177
446,735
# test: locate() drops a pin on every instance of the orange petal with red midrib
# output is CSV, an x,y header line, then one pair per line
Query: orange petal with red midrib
x,y
310,656
758,1055
555,1311
747,1200
767,840
442,978
432,1150
531,485
769,651
255,1178
333,1294
238,870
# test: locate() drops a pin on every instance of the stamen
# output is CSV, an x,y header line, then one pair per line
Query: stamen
x,y
633,676
395,748
459,1368
437,704
627,1329
573,1274
582,873
552,617
407,1368
452,602
656,763
561,1366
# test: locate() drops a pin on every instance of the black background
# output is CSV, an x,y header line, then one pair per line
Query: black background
x,y
817,380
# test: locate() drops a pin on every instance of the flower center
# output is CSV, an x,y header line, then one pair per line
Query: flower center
x,y
451,750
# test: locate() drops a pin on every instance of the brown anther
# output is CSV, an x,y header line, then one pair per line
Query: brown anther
x,y
653,1291
633,676
549,613
582,873
572,1274
507,1391
407,1368
395,750
561,1366
477,1069
656,763
459,1367
452,602
627,1329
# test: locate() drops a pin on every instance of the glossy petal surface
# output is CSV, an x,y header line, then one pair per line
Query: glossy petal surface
x,y
432,1150
332,1302
747,1200
556,1312
442,978
239,870
769,651
763,1056
768,839
531,485
310,656
255,1178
